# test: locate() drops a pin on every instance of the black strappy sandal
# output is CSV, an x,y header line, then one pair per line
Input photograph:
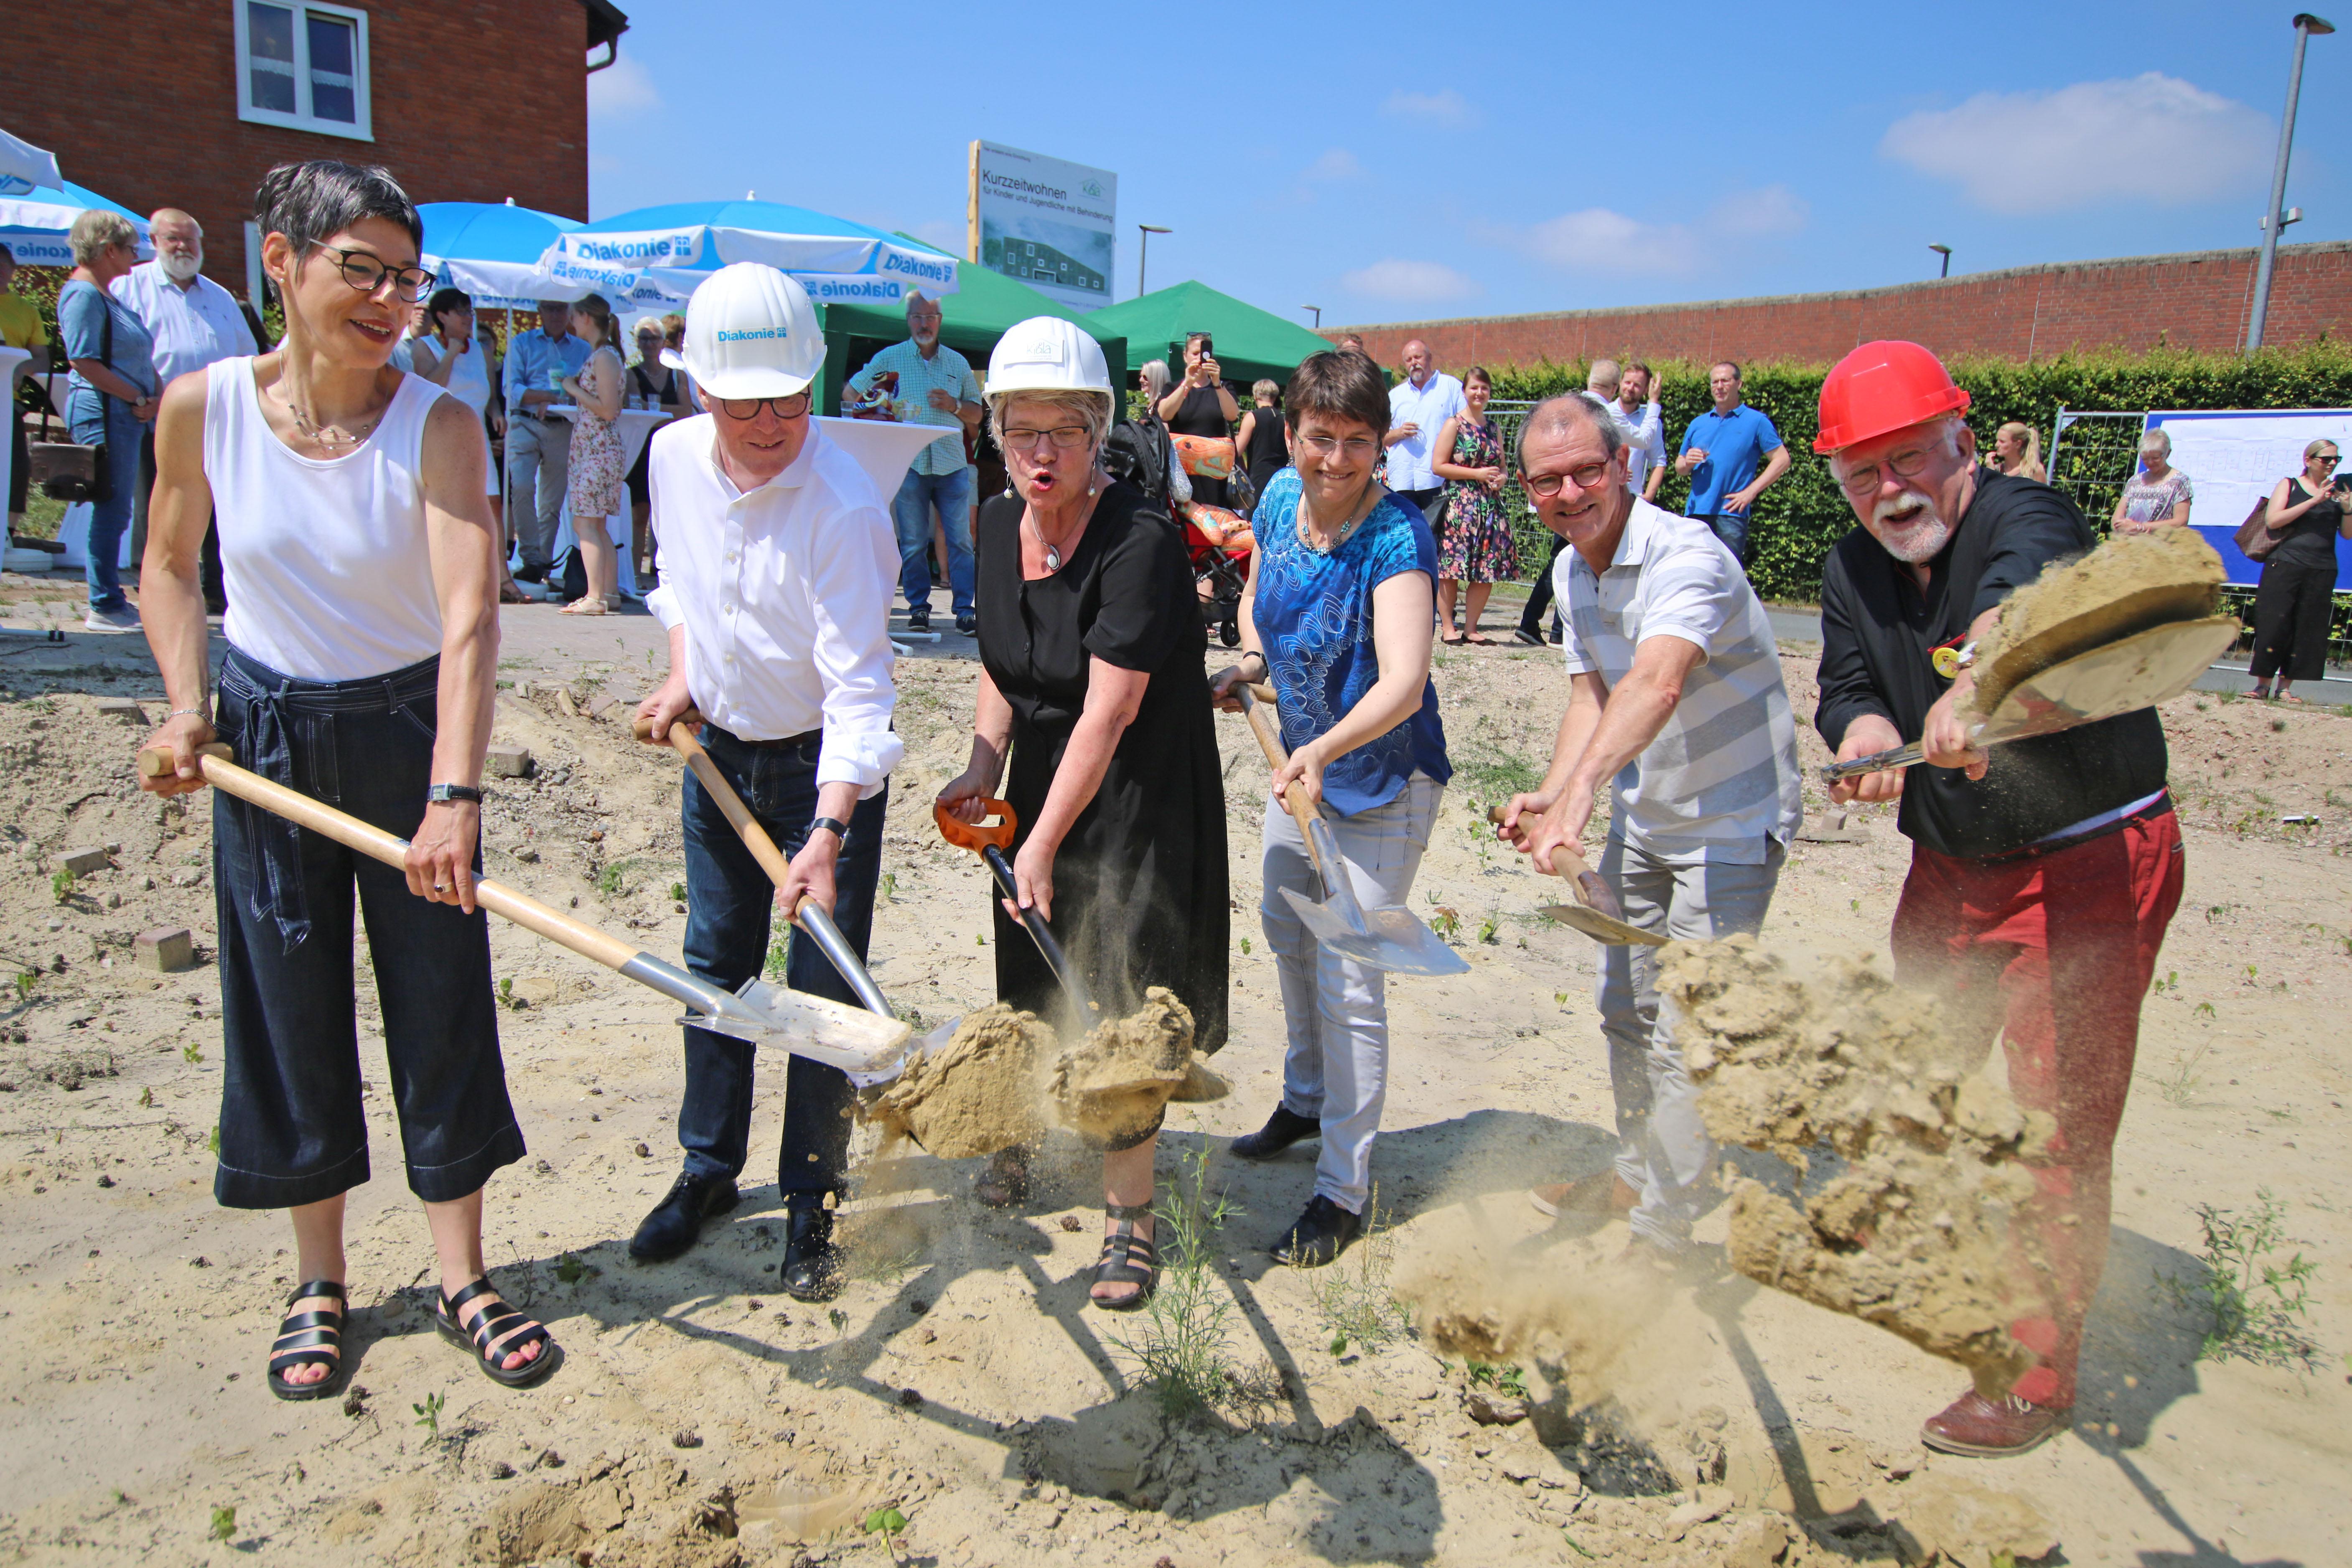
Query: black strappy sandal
x,y
309,1339
490,1327
1127,1258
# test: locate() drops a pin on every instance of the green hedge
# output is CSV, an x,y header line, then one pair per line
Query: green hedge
x,y
1799,519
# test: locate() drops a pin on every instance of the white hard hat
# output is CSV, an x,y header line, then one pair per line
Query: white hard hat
x,y
751,331
1047,353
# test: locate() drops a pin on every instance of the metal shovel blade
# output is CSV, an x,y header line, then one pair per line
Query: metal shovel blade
x,y
1391,938
1603,928
767,1015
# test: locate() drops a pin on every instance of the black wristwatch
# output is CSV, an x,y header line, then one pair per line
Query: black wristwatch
x,y
832,825
442,795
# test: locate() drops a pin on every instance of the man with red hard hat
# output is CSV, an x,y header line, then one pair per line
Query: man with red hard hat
x,y
2043,875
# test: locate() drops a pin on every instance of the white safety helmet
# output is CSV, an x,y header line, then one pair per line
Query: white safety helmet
x,y
751,331
1047,353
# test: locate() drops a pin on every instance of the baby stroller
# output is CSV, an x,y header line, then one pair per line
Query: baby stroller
x,y
1217,538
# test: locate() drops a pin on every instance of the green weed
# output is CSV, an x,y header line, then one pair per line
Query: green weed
x,y
224,1523
1486,929
188,1053
2171,982
1504,1377
609,879
1181,1341
25,980
1245,947
887,1521
2206,1010
677,892
428,1414
1445,921
212,1142
61,886
780,959
1356,1305
890,887
2180,1086
1496,774
2256,1308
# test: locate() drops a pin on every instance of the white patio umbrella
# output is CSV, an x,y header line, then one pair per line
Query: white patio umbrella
x,y
24,167
34,224
657,254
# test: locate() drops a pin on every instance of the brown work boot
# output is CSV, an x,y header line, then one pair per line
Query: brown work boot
x,y
1601,1193
1991,1428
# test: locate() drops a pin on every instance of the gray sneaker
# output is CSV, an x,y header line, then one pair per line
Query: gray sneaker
x,y
125,619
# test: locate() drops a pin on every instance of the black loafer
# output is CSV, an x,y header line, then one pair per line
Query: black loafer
x,y
1322,1232
1280,1131
530,574
677,1220
812,1271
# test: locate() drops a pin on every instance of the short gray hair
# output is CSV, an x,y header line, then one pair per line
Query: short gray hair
x,y
1093,408
2156,436
96,231
1565,411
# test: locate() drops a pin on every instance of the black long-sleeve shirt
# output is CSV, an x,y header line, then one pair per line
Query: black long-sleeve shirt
x,y
1878,632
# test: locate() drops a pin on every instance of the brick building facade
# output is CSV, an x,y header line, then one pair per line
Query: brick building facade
x,y
187,103
2197,299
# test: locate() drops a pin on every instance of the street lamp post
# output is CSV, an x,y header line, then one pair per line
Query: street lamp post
x,y
1319,315
1946,252
2273,216
1144,254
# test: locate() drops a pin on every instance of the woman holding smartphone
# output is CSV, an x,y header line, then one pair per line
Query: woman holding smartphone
x,y
2292,604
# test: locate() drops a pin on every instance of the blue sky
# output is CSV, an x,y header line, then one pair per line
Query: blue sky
x,y
1397,162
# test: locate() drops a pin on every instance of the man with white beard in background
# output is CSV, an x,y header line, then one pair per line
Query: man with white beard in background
x,y
194,321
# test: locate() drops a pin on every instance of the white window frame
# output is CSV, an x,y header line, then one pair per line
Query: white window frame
x,y
363,129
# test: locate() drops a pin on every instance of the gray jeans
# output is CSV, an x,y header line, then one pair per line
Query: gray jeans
x,y
1335,1070
1663,1151
538,465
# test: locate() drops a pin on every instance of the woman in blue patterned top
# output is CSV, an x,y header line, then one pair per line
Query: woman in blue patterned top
x,y
1341,599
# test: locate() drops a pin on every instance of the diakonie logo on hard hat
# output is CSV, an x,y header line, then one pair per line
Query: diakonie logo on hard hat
x,y
753,335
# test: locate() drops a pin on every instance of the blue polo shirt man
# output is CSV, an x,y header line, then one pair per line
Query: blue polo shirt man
x,y
1723,452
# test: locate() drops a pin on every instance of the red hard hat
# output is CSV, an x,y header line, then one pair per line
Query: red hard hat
x,y
1882,387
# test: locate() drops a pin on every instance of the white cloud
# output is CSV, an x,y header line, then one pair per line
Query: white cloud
x,y
1600,239
1445,107
1773,212
621,90
1339,163
2150,137
1430,281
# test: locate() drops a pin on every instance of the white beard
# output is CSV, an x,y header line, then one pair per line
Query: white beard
x,y
181,268
1910,530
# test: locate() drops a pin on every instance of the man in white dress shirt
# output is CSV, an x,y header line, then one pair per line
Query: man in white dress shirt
x,y
1419,407
195,322
776,564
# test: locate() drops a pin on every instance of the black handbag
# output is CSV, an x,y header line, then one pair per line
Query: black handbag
x,y
68,470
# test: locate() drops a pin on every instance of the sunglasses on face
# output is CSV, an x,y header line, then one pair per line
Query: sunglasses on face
x,y
791,408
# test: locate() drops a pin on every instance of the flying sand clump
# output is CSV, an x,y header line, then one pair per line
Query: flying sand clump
x,y
2129,583
1921,1233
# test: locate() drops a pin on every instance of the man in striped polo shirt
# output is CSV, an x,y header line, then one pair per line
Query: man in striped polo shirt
x,y
1676,702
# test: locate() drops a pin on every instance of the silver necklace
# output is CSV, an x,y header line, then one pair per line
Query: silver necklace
x,y
1053,552
331,437
1346,530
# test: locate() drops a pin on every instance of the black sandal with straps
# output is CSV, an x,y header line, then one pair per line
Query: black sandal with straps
x,y
490,1342
309,1339
1127,1258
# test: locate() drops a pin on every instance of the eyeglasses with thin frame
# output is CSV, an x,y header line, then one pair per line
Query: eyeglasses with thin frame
x,y
1328,446
1591,476
366,273
1066,438
791,408
1906,464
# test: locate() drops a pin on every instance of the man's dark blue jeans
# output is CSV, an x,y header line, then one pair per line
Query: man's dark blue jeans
x,y
1731,527
731,908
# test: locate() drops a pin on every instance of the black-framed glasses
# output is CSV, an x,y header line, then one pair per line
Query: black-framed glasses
x,y
791,408
1591,476
366,273
1066,438
1867,480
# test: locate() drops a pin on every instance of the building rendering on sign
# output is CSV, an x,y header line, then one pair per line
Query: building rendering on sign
x,y
187,103
1034,263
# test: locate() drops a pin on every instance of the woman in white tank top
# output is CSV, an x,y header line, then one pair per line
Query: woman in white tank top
x,y
362,559
450,357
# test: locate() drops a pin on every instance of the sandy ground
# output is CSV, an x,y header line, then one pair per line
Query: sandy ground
x,y
699,1417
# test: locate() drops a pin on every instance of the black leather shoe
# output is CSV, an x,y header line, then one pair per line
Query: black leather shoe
x,y
812,1271
1280,1131
528,573
677,1220
1322,1232
919,620
967,624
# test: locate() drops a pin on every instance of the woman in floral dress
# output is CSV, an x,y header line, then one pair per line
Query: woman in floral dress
x,y
1477,548
599,481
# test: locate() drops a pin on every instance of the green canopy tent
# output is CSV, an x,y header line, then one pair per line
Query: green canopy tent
x,y
1251,344
984,305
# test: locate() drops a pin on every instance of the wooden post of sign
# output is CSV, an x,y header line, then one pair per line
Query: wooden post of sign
x,y
971,206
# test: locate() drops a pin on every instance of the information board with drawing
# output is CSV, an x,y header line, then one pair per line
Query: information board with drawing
x,y
1051,223
2234,455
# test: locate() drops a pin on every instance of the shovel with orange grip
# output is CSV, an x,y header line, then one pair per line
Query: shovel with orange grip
x,y
989,841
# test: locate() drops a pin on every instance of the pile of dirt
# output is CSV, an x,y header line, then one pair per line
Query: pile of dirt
x,y
1114,1086
1918,1233
2128,584
978,1093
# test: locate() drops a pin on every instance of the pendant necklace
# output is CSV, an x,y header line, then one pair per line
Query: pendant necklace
x,y
1052,552
331,437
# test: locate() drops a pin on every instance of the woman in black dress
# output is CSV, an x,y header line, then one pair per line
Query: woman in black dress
x,y
1091,647
2306,516
1201,404
1264,442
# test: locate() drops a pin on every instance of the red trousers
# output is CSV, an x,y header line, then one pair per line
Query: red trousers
x,y
2056,950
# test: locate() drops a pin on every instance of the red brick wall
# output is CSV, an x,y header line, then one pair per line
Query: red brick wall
x,y
2196,300
472,100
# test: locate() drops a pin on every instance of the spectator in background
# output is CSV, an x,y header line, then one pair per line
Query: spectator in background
x,y
112,398
2296,594
1644,423
20,328
1201,404
1722,452
2017,452
1419,407
923,382
2158,496
539,448
592,471
1265,440
448,354
195,322
657,386
1478,550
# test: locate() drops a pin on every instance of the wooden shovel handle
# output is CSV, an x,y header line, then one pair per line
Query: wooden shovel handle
x,y
1567,862
730,805
1261,722
156,761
